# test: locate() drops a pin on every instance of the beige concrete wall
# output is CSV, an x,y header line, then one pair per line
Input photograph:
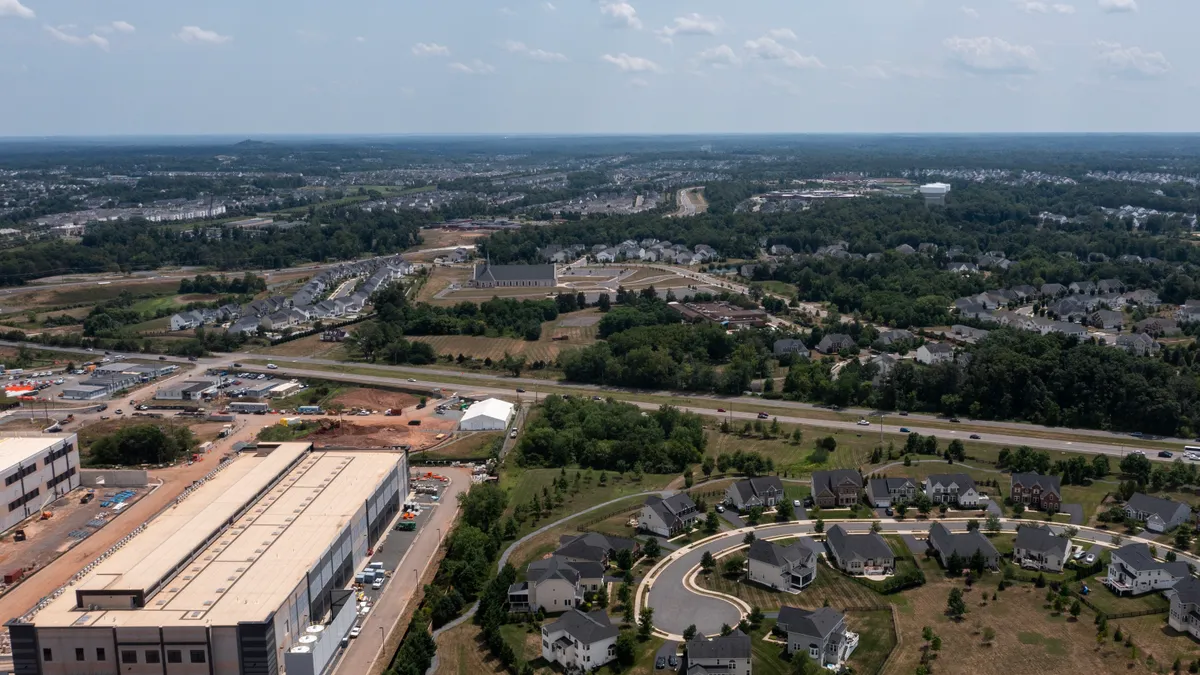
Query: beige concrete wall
x,y
114,478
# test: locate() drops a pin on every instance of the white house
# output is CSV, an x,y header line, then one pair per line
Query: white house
x,y
1134,571
955,489
668,517
490,414
579,641
1185,606
935,352
789,568
1040,548
555,585
819,634
764,491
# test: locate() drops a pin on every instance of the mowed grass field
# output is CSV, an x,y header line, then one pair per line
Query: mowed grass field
x,y
545,349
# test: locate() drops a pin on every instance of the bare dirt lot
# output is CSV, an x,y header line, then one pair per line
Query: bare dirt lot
x,y
375,399
378,431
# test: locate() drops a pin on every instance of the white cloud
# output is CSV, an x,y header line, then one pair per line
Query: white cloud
x,y
77,40
548,6
535,54
719,57
621,14
15,8
1115,6
430,49
506,11
123,27
767,49
690,24
195,35
992,55
475,67
1131,61
970,11
1038,7
632,64
360,39
782,34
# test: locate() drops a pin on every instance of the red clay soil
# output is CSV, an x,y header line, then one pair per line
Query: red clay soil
x,y
383,432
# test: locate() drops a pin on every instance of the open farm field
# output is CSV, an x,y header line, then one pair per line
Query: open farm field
x,y
578,327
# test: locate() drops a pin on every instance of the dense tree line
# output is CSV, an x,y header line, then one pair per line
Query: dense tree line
x,y
612,436
382,337
247,284
142,444
335,234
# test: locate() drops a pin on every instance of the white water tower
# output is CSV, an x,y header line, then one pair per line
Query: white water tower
x,y
935,193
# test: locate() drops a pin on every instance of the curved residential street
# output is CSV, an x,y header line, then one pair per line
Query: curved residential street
x,y
676,605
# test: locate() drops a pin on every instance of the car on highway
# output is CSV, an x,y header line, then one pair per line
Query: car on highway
x,y
1166,454
1194,456
272,366
863,423
412,379
904,413
354,632
162,358
513,434
904,430
974,437
954,420
1136,434
720,410
237,365
660,663
1137,452
763,415
520,390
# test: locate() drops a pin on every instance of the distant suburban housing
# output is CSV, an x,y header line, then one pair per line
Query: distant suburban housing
x,y
721,655
836,488
884,492
764,491
1157,513
834,343
580,642
935,352
789,568
668,517
965,544
796,347
955,489
860,553
487,275
1037,491
819,634
1039,548
1132,570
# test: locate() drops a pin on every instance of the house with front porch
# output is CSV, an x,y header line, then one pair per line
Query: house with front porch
x,y
1159,515
885,492
860,553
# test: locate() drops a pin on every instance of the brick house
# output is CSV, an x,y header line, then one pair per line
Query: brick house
x,y
837,488
1037,491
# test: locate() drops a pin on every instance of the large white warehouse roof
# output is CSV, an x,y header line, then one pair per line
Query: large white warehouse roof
x,y
493,408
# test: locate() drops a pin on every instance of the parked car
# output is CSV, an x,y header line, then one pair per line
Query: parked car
x,y
660,663
888,511
796,503
1079,554
120,412
974,437
1166,454
378,583
237,365
355,631
673,661
720,508
1089,559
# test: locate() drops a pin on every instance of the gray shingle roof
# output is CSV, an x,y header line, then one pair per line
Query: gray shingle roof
x,y
486,272
1137,557
962,480
828,481
587,628
1163,508
736,645
883,486
1187,590
591,546
1049,484
819,622
773,554
964,544
758,486
669,509
857,546
555,567
1039,539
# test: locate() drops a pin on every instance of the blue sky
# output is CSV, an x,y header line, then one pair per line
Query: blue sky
x,y
132,67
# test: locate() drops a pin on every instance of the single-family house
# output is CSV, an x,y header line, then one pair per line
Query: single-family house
x,y
721,655
790,346
781,249
1036,491
819,634
555,585
1138,344
1082,287
1052,290
1109,286
783,568
1156,327
1103,318
836,488
955,489
593,547
580,641
1157,513
1185,606
884,492
835,342
1039,548
668,517
860,553
962,267
965,544
891,337
935,352
1132,570
764,491
905,249
1189,312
